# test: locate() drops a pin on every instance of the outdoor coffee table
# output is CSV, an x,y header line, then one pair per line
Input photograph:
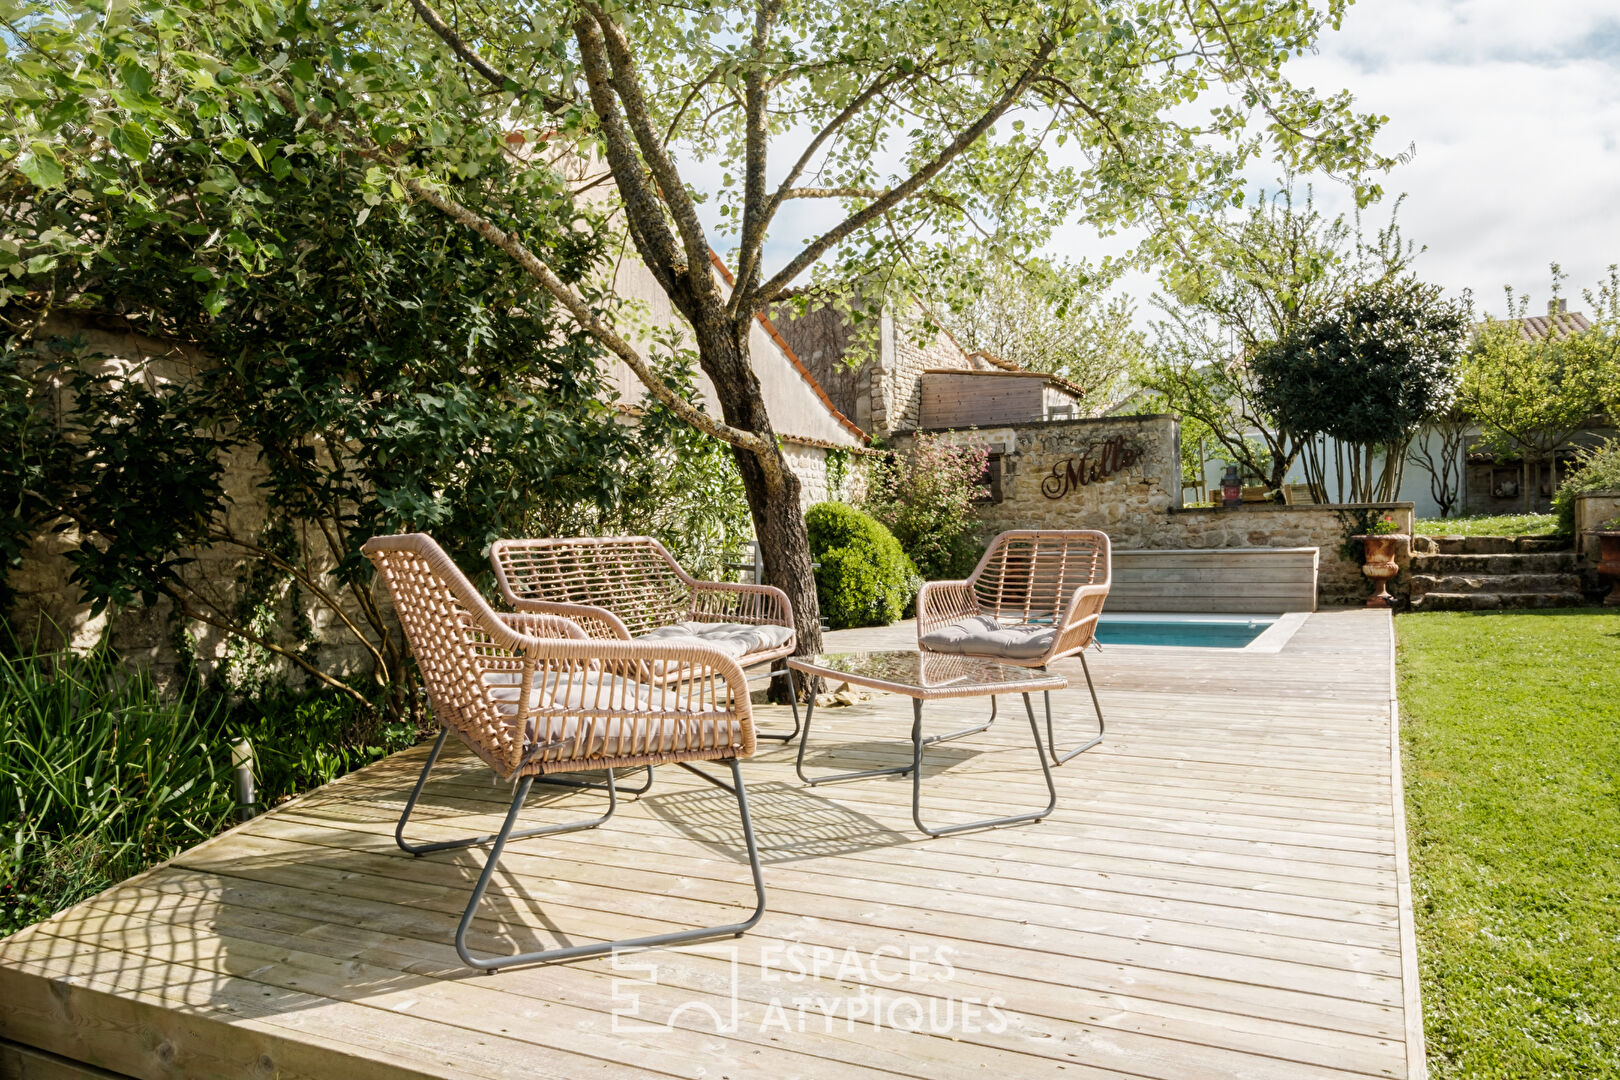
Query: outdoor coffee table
x,y
928,677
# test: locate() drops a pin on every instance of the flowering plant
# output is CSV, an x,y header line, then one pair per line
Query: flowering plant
x,y
1383,526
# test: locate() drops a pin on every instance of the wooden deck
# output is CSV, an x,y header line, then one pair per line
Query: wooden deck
x,y
1221,893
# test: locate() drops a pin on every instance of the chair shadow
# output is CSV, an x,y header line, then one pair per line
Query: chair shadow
x,y
790,822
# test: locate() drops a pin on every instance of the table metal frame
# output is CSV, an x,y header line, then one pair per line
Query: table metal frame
x,y
918,741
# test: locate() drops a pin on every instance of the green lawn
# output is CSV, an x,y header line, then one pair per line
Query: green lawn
x,y
1488,525
1511,730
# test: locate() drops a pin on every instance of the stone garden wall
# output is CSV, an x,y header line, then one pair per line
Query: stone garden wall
x,y
1122,475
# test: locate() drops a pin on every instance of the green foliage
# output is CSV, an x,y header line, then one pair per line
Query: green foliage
x,y
1368,374
924,495
103,778
1599,470
389,370
1508,722
1166,108
1488,525
1244,283
864,579
105,775
1531,394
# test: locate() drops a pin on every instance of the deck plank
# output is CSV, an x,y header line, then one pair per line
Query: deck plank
x,y
1219,894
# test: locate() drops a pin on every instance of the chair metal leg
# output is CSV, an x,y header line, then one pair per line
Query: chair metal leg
x,y
917,744
473,841
1051,741
798,765
572,952
793,696
594,785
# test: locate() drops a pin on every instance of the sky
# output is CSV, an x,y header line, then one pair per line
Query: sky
x,y
1511,112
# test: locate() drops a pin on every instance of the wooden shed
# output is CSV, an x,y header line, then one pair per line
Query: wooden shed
x,y
952,398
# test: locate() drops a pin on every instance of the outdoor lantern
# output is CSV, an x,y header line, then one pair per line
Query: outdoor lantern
x,y
1231,487
242,763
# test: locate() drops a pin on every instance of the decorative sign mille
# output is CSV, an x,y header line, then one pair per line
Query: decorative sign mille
x,y
1100,461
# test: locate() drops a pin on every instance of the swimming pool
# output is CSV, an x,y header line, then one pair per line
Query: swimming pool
x,y
1197,631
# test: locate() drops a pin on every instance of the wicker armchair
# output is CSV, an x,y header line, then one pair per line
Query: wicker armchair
x,y
1035,597
531,694
629,588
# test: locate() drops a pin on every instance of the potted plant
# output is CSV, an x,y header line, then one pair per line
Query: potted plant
x,y
1379,561
1608,535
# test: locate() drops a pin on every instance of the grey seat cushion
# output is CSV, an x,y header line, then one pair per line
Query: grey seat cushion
x,y
736,640
981,635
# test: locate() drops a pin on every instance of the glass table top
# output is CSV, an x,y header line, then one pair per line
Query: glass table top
x,y
927,675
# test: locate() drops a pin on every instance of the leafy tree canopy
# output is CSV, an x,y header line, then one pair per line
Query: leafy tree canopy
x,y
1381,364
1240,284
388,369
1053,317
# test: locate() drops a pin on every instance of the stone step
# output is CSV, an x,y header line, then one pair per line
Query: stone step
x,y
1488,545
1490,601
1422,584
1548,562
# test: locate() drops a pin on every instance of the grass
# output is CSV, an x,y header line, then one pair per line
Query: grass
x,y
1489,525
1510,725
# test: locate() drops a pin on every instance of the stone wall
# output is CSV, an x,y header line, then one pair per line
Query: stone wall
x,y
883,393
1132,492
905,358
1339,581
809,464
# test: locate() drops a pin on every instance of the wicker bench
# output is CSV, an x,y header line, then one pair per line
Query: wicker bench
x,y
630,588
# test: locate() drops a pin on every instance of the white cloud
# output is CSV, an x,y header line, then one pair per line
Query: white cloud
x,y
1513,110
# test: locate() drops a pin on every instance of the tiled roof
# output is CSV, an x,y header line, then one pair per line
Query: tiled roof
x,y
1536,327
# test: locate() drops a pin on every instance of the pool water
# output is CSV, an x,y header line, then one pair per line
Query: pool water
x,y
1200,631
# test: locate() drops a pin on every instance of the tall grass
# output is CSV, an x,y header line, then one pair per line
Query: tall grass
x,y
100,776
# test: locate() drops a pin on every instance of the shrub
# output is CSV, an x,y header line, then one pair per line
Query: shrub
x,y
1599,471
864,579
924,495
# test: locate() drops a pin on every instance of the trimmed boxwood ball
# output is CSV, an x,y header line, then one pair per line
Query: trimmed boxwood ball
x,y
864,578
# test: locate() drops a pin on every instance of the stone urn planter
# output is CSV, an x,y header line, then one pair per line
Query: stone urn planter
x,y
1609,562
1379,565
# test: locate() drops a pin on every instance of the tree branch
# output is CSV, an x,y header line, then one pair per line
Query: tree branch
x,y
499,80
627,84
587,320
834,193
644,213
756,134
896,195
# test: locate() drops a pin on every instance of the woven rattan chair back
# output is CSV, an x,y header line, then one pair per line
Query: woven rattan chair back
x,y
1031,576
634,577
461,645
531,694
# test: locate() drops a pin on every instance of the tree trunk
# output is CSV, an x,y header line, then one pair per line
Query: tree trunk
x,y
771,485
